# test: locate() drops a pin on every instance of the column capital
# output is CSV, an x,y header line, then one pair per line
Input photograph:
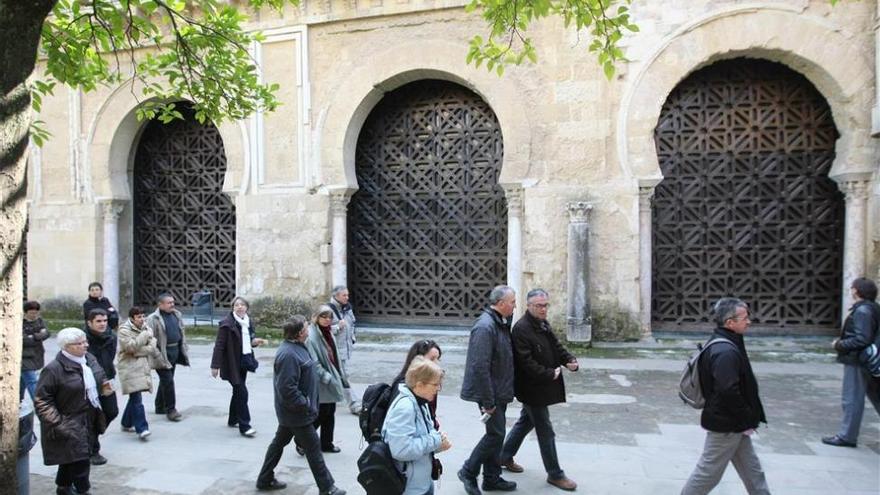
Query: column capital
x,y
111,209
579,211
339,199
855,189
514,195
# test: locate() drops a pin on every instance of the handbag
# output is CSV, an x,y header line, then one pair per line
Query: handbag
x,y
870,359
249,362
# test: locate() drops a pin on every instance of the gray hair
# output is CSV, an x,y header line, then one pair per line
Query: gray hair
x,y
498,293
243,300
725,309
69,336
536,293
163,297
338,289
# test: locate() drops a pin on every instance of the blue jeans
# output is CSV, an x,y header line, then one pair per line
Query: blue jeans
x,y
487,453
535,418
856,383
134,414
29,380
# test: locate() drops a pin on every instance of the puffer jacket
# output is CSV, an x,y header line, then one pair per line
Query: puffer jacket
x,y
67,418
33,334
859,331
330,381
136,349
409,431
488,371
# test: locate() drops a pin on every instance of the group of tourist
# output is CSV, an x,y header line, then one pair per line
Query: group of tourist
x,y
75,397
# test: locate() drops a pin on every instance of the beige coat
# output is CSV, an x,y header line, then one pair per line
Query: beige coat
x,y
155,323
135,351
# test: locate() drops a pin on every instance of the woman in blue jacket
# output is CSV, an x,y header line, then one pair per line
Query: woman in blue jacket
x,y
409,427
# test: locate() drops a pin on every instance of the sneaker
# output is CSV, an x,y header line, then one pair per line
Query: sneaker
x,y
563,484
97,460
501,485
173,415
127,429
272,485
250,433
512,466
470,483
144,434
232,425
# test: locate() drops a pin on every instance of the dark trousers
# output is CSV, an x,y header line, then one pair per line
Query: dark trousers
x,y
307,438
165,398
76,474
327,423
857,382
134,413
487,453
238,406
535,418
110,409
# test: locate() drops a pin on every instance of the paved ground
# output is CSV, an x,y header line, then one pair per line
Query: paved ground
x,y
623,431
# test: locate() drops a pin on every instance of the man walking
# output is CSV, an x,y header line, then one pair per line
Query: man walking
x,y
167,326
296,406
343,328
488,381
102,345
733,409
538,358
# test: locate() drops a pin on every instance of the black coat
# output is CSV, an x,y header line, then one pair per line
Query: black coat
x,y
67,418
103,347
33,334
730,387
105,304
296,385
227,349
537,353
859,330
488,371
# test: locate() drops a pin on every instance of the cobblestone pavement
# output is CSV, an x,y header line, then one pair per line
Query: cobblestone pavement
x,y
623,431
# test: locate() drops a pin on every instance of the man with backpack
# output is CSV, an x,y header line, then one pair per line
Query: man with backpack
x,y
732,409
859,331
296,406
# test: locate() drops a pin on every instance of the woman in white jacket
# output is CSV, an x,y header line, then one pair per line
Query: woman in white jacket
x,y
409,427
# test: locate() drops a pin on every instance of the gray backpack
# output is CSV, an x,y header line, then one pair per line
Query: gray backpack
x,y
689,388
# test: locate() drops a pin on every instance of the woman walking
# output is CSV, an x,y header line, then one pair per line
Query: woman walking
x,y
429,350
136,351
232,360
322,348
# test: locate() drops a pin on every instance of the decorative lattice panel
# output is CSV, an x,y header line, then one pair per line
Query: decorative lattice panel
x,y
184,226
746,207
428,226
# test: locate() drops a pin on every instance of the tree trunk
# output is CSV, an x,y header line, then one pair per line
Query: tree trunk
x,y
20,23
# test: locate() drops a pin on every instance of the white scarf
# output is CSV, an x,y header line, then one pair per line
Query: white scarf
x,y
88,378
245,332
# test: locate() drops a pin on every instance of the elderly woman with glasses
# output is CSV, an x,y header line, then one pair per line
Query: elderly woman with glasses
x,y
409,430
331,381
69,410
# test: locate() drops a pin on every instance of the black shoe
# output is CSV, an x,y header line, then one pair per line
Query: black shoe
x,y
837,442
272,485
98,460
470,483
332,449
301,451
64,490
334,491
173,415
501,485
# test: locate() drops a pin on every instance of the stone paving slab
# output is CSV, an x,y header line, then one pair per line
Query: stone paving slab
x,y
623,431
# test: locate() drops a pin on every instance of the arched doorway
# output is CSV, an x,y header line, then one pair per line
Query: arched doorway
x,y
428,224
746,207
184,225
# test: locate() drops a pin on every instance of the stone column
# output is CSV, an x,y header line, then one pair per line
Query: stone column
x,y
514,195
111,210
580,324
855,234
646,196
875,112
339,199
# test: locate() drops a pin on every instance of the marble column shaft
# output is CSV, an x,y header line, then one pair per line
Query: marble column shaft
x,y
111,211
579,317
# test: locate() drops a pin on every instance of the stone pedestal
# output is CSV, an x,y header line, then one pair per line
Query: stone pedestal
x,y
111,209
579,319
854,240
514,195
339,235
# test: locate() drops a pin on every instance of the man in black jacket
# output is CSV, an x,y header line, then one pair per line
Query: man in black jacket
x,y
488,381
733,409
102,345
859,331
538,358
296,406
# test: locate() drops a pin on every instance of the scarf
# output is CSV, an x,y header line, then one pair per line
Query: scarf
x,y
328,343
88,378
245,324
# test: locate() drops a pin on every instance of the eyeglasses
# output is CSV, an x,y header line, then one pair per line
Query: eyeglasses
x,y
78,343
540,306
323,317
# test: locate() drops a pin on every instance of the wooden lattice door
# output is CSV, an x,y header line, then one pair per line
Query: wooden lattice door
x,y
746,207
184,225
428,225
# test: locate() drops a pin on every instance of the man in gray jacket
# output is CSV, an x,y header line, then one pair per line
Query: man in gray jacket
x,y
167,326
296,406
344,331
488,381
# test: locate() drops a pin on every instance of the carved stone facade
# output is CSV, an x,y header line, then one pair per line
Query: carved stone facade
x,y
566,134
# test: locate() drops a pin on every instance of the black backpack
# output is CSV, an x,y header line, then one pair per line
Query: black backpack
x,y
374,406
